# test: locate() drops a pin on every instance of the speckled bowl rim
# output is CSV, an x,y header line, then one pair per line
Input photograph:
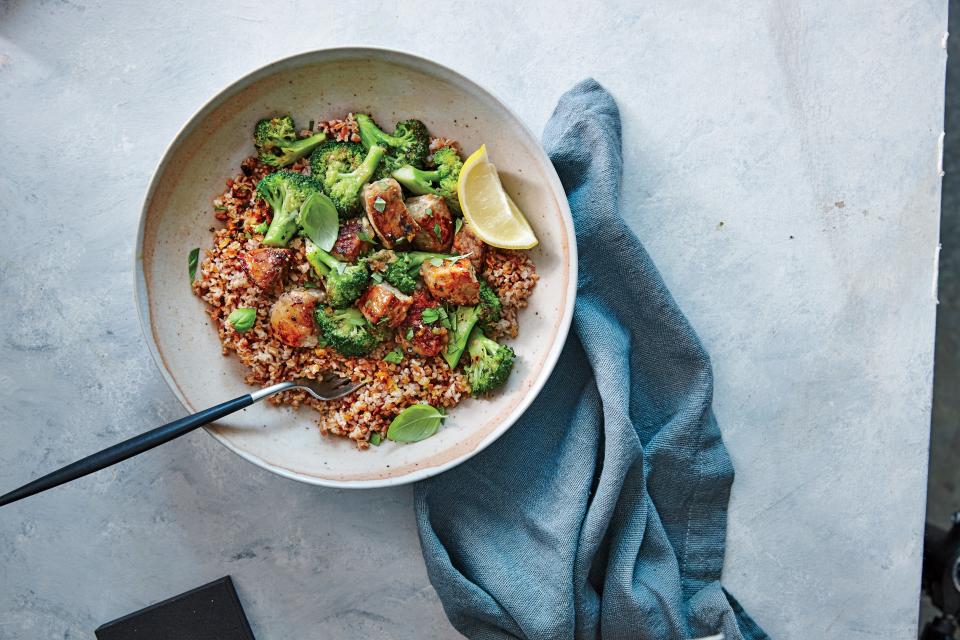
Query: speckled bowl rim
x,y
446,74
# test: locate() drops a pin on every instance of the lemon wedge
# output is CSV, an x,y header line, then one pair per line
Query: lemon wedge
x,y
487,208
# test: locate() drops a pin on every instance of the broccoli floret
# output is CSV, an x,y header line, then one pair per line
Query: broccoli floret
x,y
277,142
442,181
489,310
490,363
403,268
346,330
343,282
409,144
286,192
342,169
464,319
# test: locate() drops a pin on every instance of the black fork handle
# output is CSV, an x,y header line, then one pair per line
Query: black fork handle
x,y
128,448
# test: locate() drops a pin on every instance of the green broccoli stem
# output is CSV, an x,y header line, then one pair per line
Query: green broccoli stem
x,y
366,168
321,261
371,134
303,146
465,319
417,181
282,228
480,345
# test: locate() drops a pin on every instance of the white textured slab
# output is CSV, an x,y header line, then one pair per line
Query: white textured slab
x,y
762,116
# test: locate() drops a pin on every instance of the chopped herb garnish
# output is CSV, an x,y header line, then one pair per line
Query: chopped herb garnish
x,y
377,277
394,357
409,334
457,226
192,259
376,438
364,236
436,231
428,211
430,315
379,204
242,319
219,207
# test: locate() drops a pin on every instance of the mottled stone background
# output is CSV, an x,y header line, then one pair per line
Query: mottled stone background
x,y
781,169
943,497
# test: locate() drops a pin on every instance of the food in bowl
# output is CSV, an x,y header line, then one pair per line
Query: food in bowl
x,y
383,258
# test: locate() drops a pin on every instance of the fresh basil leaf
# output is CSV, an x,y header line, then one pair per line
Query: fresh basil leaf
x,y
242,318
365,237
192,260
430,315
379,204
394,357
415,423
318,220
376,438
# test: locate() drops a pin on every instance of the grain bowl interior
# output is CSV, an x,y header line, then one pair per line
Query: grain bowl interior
x,y
395,376
176,216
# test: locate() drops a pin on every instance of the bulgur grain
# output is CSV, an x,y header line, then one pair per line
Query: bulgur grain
x,y
223,284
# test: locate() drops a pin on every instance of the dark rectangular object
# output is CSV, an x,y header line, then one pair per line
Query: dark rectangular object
x,y
210,612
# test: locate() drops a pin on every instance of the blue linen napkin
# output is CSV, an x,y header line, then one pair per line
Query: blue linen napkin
x,y
602,512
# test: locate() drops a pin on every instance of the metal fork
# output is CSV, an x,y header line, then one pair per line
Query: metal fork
x,y
328,388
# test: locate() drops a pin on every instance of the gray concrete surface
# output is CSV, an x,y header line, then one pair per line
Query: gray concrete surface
x,y
943,488
781,168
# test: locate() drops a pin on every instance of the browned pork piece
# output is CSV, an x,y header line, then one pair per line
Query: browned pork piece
x,y
425,335
383,201
350,243
291,317
465,243
265,266
383,302
452,281
435,221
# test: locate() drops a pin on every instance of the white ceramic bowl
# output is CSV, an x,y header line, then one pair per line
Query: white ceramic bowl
x,y
177,215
